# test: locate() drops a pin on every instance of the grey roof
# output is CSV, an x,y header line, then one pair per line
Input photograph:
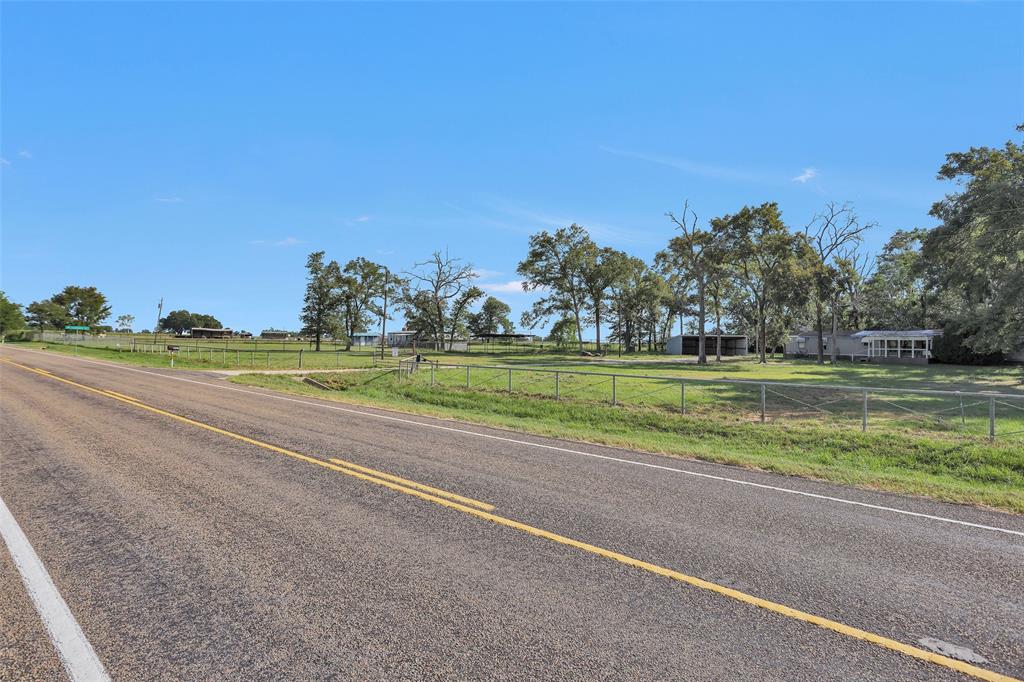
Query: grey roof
x,y
898,333
827,332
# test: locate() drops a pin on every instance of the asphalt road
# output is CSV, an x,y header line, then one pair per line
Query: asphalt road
x,y
185,552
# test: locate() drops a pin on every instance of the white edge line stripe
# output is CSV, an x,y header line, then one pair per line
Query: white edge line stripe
x,y
76,653
545,446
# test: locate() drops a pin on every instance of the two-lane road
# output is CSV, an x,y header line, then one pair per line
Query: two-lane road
x,y
196,529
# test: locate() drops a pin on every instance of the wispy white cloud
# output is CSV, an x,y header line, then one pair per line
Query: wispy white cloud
x,y
530,220
4,162
514,286
169,200
807,175
690,166
484,273
25,154
361,219
287,241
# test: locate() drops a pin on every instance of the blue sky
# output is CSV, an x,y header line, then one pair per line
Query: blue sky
x,y
199,152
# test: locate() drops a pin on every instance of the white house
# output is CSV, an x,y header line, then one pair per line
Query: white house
x,y
903,346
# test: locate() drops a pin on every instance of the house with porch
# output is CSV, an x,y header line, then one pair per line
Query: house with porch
x,y
903,346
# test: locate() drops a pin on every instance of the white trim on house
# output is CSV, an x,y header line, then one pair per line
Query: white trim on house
x,y
911,343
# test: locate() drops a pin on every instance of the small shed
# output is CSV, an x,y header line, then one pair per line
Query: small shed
x,y
687,344
273,334
401,339
365,339
208,333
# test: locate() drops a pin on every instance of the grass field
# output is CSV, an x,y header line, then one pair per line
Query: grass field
x,y
212,357
896,458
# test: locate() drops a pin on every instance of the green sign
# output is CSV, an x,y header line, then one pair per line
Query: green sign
x,y
76,328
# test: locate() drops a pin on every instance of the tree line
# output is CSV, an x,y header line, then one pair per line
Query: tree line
x,y
436,298
746,272
87,306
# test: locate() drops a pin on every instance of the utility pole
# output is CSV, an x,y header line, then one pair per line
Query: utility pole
x,y
384,314
159,314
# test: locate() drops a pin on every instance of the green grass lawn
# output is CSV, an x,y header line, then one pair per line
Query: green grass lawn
x,y
1005,378
893,457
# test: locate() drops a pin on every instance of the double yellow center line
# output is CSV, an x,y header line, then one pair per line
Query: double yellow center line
x,y
484,511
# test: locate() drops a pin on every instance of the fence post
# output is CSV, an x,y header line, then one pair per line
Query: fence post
x,y
991,419
762,402
963,418
682,397
510,380
467,376
236,357
252,358
268,359
556,386
614,397
431,375
300,358
864,416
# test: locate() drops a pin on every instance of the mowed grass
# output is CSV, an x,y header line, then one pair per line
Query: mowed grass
x,y
943,466
208,357
1003,378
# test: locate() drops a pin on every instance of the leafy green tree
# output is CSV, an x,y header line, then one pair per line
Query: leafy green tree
x,y
178,321
181,321
459,316
493,316
628,303
84,305
12,322
322,300
558,265
563,332
124,322
47,314
601,268
439,295
975,257
695,257
361,284
833,237
418,308
206,321
897,296
765,261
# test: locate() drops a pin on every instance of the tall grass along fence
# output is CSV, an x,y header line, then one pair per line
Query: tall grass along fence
x,y
982,414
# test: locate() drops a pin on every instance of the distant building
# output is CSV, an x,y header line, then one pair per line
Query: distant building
x,y
365,339
504,338
272,334
902,346
402,339
805,344
208,333
687,344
